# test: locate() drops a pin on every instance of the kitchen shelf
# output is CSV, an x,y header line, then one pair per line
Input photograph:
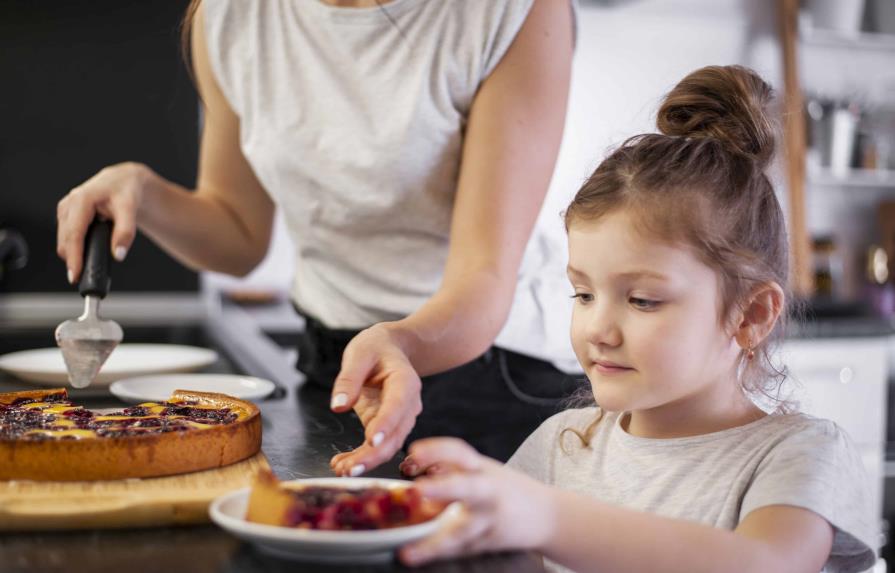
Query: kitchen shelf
x,y
877,178
853,41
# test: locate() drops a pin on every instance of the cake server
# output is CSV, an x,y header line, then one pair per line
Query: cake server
x,y
87,341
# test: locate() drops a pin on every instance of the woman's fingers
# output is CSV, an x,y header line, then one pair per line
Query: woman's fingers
x,y
337,459
115,194
72,230
367,457
400,404
124,226
357,366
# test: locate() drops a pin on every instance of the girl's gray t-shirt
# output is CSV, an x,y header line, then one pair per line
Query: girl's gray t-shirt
x,y
716,479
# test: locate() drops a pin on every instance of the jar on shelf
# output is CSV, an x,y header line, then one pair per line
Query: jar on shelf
x,y
827,265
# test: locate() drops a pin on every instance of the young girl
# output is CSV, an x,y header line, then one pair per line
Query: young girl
x,y
678,260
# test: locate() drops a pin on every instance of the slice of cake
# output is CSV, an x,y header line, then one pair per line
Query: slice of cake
x,y
337,508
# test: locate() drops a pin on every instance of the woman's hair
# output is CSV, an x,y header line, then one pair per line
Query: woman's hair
x,y
701,183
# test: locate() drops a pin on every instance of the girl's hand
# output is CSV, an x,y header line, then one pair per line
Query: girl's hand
x,y
379,382
115,193
502,508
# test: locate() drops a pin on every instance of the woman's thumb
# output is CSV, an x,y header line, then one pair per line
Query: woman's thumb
x,y
355,370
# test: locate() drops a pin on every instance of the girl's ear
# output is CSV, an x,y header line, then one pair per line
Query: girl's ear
x,y
760,314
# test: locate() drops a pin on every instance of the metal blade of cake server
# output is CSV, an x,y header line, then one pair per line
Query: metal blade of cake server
x,y
84,358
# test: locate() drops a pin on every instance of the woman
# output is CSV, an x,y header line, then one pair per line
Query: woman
x,y
409,144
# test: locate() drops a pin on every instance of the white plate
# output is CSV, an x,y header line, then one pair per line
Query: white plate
x,y
158,387
45,365
229,510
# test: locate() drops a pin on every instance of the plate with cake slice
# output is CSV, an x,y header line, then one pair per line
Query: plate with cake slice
x,y
329,520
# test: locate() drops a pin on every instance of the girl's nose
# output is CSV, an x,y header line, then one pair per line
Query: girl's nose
x,y
603,327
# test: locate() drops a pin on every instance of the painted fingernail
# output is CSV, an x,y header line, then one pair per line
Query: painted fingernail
x,y
377,439
339,400
411,469
357,470
71,277
120,253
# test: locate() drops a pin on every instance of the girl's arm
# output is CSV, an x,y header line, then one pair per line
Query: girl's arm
x,y
512,138
594,536
504,509
224,225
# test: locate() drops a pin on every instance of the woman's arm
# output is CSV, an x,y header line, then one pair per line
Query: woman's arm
x,y
513,136
224,225
509,152
504,509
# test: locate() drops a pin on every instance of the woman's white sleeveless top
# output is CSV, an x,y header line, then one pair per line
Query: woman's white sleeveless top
x,y
352,119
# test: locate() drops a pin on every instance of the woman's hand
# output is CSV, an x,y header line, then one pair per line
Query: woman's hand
x,y
115,193
501,508
379,382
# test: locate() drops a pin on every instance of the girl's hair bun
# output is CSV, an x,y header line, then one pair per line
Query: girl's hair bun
x,y
727,103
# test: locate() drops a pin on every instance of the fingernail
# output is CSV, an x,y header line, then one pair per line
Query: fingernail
x,y
339,400
71,277
411,469
120,253
357,470
377,439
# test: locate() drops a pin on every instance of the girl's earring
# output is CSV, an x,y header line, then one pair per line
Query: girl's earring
x,y
750,353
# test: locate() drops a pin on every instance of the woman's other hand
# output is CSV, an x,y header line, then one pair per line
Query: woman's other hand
x,y
379,382
501,508
114,193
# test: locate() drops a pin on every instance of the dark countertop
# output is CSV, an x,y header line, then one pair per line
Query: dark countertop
x,y
300,434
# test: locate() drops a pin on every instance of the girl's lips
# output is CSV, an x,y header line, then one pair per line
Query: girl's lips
x,y
605,367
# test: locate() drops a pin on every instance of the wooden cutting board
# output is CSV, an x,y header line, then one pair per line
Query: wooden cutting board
x,y
170,500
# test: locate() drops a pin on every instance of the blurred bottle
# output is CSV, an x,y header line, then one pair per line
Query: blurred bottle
x,y
819,111
827,264
843,134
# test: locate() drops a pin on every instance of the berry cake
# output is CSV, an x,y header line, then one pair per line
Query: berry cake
x,y
44,436
336,508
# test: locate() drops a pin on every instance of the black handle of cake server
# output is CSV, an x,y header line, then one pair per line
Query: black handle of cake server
x,y
95,279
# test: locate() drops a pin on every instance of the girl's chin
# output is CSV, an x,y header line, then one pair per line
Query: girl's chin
x,y
612,401
619,398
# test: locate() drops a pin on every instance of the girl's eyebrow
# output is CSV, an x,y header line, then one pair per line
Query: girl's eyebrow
x,y
575,272
630,275
641,274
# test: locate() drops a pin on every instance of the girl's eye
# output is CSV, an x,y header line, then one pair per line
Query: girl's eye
x,y
583,297
644,304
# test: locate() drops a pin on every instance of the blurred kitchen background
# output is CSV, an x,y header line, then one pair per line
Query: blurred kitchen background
x,y
86,84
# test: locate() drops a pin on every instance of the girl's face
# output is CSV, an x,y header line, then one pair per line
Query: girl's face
x,y
645,325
